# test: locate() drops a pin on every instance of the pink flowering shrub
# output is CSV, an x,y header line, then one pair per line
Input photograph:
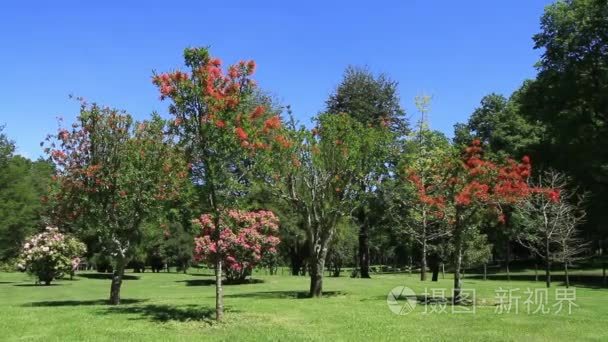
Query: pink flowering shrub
x,y
50,255
246,239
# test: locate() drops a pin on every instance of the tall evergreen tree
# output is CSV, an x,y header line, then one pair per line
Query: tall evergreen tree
x,y
372,100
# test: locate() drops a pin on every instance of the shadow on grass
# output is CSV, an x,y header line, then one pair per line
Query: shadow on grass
x,y
37,285
201,274
81,302
106,276
283,294
211,282
166,313
578,280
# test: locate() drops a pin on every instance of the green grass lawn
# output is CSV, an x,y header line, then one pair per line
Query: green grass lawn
x,y
178,307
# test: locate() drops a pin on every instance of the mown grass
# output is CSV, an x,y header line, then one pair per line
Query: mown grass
x,y
179,307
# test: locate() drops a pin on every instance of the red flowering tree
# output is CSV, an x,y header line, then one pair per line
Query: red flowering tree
x,y
420,201
473,188
222,126
111,175
247,238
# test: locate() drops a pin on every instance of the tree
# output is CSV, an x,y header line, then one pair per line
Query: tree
x,y
421,169
22,185
501,126
550,222
568,98
369,99
7,147
373,101
318,177
50,254
342,248
178,246
221,125
473,189
570,245
111,175
246,240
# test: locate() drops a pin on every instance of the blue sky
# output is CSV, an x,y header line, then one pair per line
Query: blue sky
x,y
456,51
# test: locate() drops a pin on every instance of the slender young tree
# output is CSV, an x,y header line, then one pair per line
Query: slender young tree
x,y
221,125
420,203
550,222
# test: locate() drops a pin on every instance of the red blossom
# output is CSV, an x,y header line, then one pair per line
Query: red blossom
x,y
283,141
272,123
245,240
240,133
257,112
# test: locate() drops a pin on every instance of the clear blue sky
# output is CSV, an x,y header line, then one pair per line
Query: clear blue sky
x,y
456,51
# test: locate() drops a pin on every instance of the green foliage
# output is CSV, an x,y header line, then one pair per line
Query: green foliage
x,y
499,123
112,175
342,249
369,99
22,184
568,97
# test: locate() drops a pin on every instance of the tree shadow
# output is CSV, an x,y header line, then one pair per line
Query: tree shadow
x,y
38,285
166,313
211,282
283,294
201,274
106,276
578,280
81,302
6,282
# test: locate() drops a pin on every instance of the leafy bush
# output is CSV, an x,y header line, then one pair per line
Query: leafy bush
x,y
50,255
246,239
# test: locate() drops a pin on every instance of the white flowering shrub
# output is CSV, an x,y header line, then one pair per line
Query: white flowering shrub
x,y
50,254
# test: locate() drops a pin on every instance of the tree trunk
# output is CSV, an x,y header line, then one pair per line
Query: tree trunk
x,y
119,271
442,270
316,275
535,271
364,250
485,271
604,274
547,264
456,299
423,262
508,261
219,292
296,265
411,266
435,267
566,274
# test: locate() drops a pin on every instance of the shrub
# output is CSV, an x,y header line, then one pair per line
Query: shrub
x,y
246,239
50,254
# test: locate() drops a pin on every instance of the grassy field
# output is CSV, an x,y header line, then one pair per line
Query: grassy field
x,y
179,307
